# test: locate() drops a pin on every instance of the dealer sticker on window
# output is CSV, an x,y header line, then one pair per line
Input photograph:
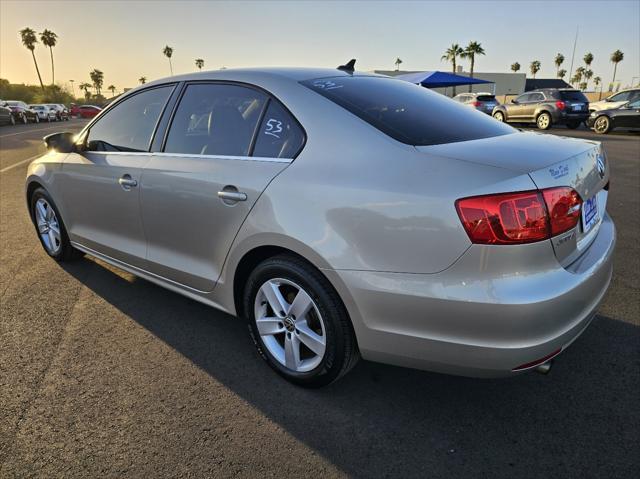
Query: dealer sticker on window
x,y
589,213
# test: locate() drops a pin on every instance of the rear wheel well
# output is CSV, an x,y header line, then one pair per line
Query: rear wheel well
x,y
33,186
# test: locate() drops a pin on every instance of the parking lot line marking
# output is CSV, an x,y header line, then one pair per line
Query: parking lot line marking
x,y
11,167
32,130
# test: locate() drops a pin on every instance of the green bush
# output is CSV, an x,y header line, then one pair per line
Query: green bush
x,y
34,94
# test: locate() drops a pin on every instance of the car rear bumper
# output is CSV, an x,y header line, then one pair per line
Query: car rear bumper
x,y
496,308
566,117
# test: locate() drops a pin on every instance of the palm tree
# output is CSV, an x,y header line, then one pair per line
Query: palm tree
x,y
575,79
112,88
616,57
451,54
397,63
587,76
73,91
562,73
49,39
85,87
558,60
142,80
470,52
588,59
583,85
199,63
534,67
29,40
168,52
515,67
597,81
97,77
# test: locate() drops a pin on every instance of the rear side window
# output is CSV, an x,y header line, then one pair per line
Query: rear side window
x,y
129,125
536,97
279,135
486,98
215,119
408,113
573,95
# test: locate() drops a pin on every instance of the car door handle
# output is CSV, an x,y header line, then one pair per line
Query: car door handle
x,y
127,182
232,195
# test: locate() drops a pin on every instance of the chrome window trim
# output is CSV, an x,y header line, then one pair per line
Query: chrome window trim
x,y
186,155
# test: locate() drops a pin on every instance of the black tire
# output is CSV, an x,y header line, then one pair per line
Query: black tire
x,y
543,121
602,125
498,115
572,125
66,252
341,352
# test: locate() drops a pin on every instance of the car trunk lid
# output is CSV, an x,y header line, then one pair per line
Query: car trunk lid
x,y
551,162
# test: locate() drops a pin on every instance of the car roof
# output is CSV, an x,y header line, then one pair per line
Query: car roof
x,y
287,73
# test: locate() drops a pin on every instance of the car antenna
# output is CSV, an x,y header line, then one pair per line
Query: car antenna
x,y
349,67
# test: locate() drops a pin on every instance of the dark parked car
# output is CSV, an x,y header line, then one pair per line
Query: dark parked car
x,y
6,118
484,102
546,107
625,116
21,112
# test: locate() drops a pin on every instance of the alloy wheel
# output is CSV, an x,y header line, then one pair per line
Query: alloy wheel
x,y
48,226
602,124
290,325
543,121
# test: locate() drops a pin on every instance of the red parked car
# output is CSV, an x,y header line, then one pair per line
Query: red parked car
x,y
85,111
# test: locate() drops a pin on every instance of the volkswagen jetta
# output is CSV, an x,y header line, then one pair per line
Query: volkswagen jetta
x,y
343,214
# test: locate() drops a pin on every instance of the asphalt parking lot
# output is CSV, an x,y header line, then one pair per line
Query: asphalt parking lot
x,y
106,375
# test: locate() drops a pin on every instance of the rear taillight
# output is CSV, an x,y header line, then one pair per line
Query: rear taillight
x,y
564,205
560,105
516,218
476,103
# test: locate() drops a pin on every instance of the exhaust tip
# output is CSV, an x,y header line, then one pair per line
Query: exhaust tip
x,y
544,368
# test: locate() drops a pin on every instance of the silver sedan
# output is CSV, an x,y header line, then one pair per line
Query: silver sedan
x,y
343,214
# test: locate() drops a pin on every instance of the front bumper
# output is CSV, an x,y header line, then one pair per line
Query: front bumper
x,y
496,308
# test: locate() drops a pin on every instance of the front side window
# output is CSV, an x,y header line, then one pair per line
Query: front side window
x,y
215,119
408,113
279,135
523,98
622,96
535,97
129,125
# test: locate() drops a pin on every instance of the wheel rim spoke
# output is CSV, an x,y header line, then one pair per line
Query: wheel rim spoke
x,y
301,305
270,326
41,210
292,352
273,295
311,339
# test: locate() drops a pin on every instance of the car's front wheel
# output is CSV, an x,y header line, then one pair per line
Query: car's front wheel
x,y
499,116
602,124
51,230
298,323
543,122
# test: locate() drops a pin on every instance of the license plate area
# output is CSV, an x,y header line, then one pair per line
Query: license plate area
x,y
590,214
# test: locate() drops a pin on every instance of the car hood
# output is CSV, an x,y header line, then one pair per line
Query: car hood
x,y
522,152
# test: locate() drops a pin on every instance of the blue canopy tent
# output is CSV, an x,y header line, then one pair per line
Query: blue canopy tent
x,y
437,79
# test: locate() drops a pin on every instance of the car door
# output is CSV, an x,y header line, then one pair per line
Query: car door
x,y
628,116
515,110
531,105
100,183
198,189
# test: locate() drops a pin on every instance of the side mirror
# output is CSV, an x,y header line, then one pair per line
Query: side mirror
x,y
514,101
61,142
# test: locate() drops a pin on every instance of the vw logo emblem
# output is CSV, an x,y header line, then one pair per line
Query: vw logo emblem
x,y
600,165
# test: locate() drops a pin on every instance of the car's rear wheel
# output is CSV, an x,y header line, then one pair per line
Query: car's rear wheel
x,y
602,124
573,124
499,116
543,121
51,230
298,323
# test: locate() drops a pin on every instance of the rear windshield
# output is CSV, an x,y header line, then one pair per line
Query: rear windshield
x,y
573,95
407,112
486,97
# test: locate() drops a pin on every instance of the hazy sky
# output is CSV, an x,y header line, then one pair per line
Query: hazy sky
x,y
125,39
